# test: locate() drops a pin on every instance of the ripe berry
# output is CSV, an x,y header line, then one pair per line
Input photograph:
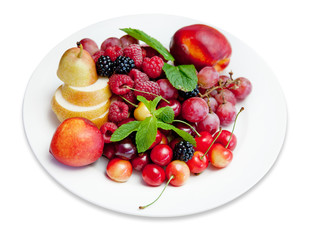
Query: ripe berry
x,y
183,151
147,87
119,82
97,55
190,94
134,52
118,111
104,66
123,65
107,129
153,66
113,52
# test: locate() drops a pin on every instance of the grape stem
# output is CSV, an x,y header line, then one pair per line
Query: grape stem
x,y
145,206
233,129
225,85
198,134
219,133
133,89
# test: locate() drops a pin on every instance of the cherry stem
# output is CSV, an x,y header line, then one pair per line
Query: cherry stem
x,y
220,131
133,89
129,101
198,134
142,207
230,137
81,49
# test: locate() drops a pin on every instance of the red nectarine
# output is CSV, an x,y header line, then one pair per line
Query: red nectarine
x,y
202,46
77,142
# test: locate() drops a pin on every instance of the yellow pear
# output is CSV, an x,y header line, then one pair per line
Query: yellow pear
x,y
77,68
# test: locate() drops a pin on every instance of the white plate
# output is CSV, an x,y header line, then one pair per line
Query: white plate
x,y
260,131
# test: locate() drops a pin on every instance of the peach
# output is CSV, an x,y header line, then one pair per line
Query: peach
x,y
201,45
77,142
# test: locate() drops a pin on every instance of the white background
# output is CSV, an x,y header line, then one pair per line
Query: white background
x,y
34,206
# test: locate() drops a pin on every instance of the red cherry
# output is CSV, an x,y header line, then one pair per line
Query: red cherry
x,y
157,139
164,140
225,137
174,142
161,154
125,149
203,142
139,162
174,104
153,175
198,163
109,150
119,170
177,172
220,156
167,91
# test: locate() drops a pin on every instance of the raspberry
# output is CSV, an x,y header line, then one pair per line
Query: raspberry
x,y
113,52
183,151
104,66
131,97
118,111
153,66
123,64
134,52
107,129
147,86
97,55
137,75
118,83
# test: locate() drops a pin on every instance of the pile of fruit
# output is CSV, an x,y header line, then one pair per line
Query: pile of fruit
x,y
162,112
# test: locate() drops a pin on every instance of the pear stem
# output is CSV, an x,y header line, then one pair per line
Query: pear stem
x,y
142,207
198,134
81,50
241,109
211,144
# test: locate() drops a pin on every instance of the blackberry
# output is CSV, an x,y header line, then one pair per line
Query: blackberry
x,y
183,151
187,95
123,64
105,66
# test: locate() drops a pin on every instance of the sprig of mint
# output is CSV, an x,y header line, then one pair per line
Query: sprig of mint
x,y
147,129
182,77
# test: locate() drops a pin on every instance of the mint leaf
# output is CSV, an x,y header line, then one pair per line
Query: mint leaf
x,y
165,114
124,131
186,136
182,77
154,103
146,134
152,42
145,101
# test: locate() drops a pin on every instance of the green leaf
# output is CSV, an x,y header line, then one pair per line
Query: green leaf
x,y
146,134
124,131
182,77
186,136
145,101
152,42
154,103
165,114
